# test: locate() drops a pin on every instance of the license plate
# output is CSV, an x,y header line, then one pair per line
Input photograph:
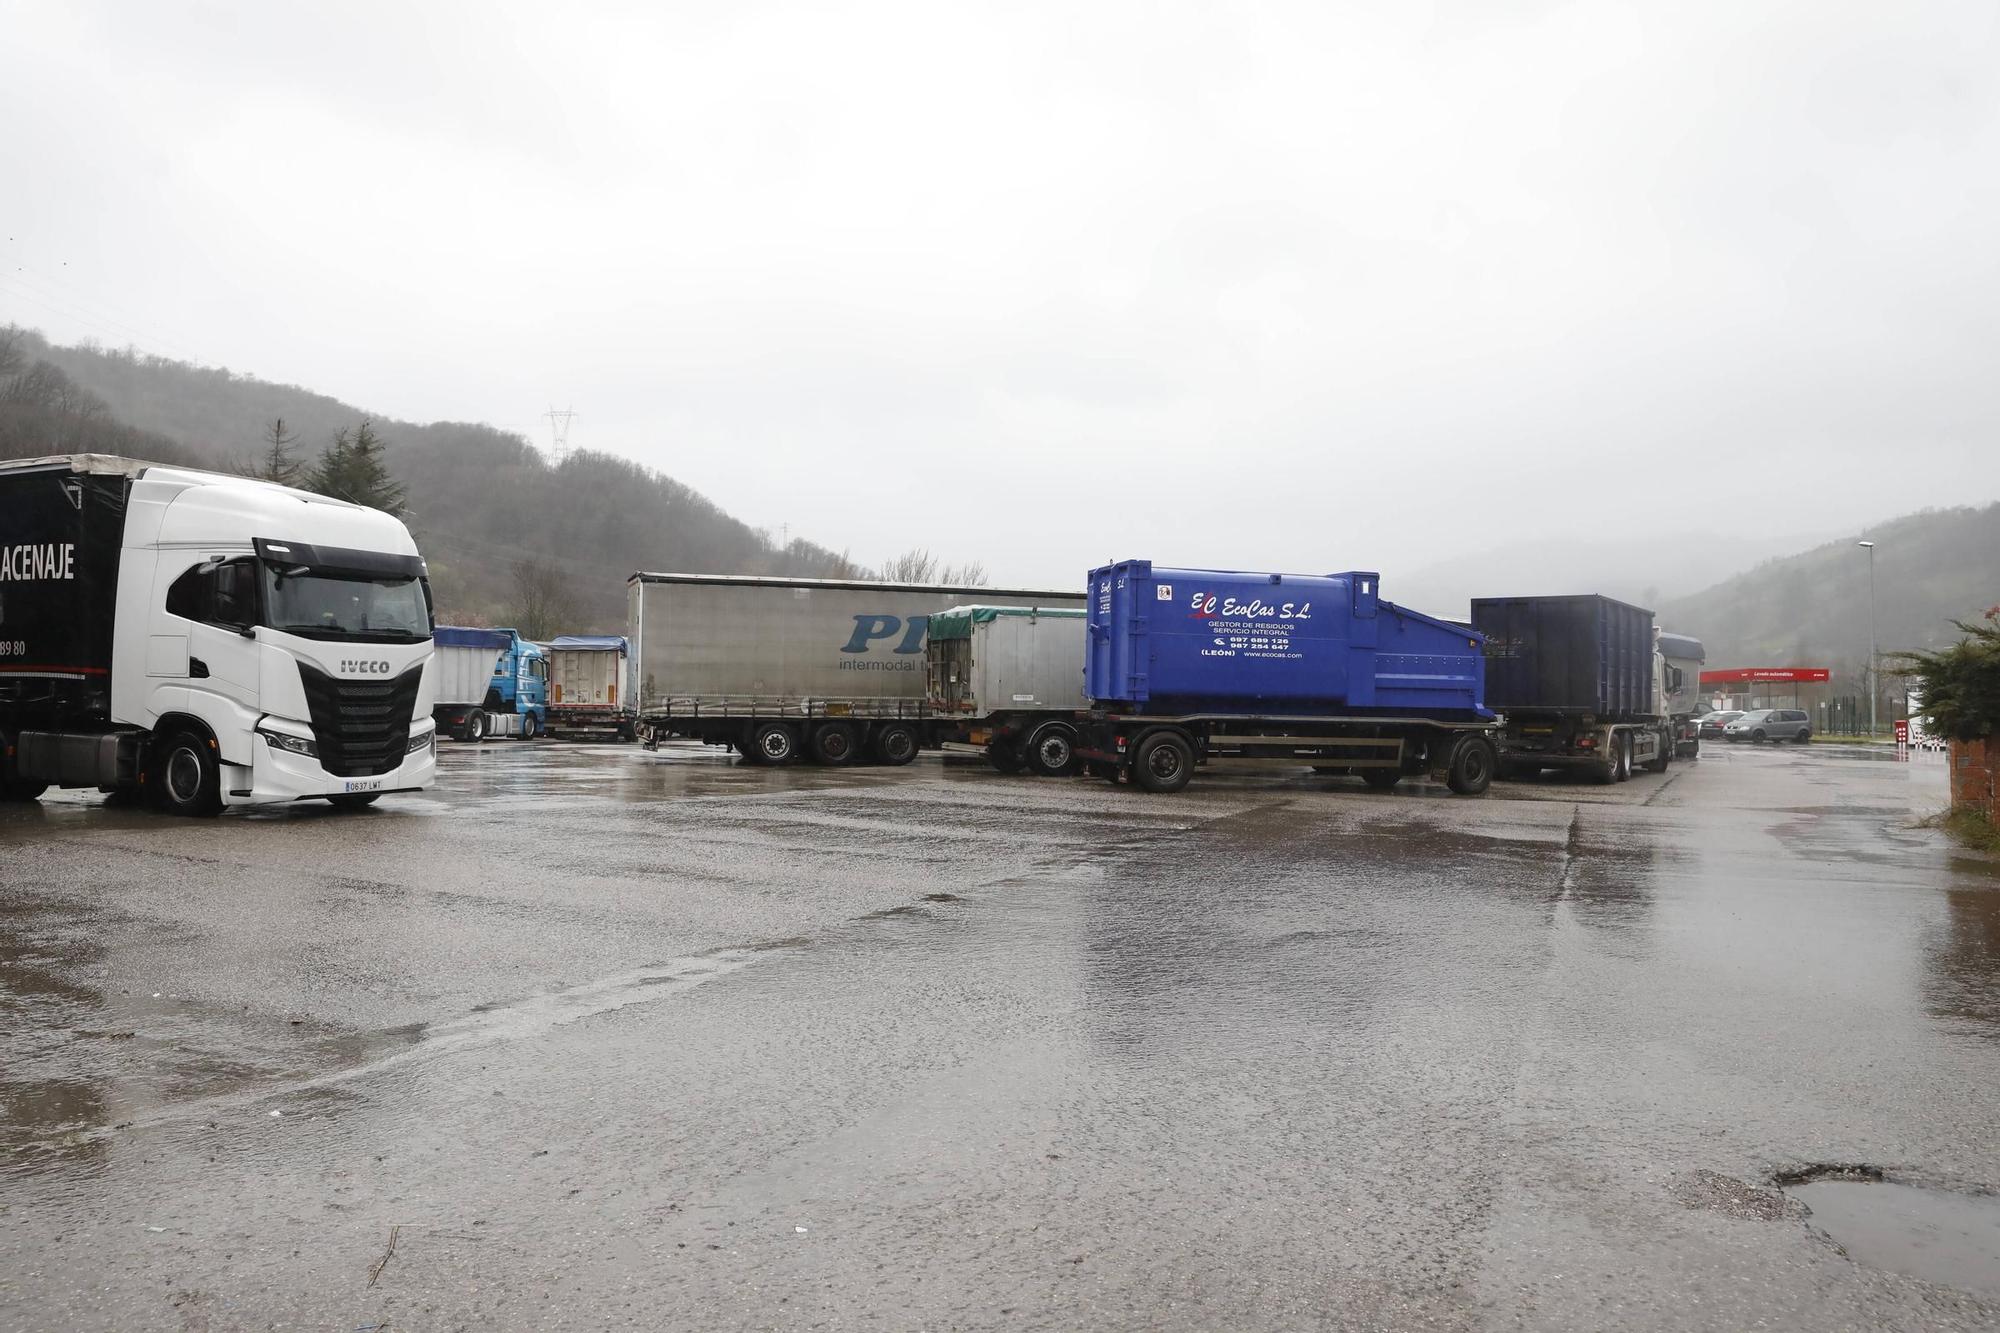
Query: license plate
x,y
363,784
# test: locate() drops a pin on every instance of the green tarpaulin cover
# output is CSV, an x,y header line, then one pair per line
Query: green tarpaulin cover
x,y
957,623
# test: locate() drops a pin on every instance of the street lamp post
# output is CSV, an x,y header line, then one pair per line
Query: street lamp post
x,y
1874,686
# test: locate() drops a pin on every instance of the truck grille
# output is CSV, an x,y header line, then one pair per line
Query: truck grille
x,y
362,727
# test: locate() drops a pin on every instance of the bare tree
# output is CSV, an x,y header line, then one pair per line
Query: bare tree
x,y
541,597
915,565
918,565
971,574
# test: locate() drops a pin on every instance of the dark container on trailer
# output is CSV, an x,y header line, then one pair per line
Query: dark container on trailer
x,y
1227,641
61,530
1585,654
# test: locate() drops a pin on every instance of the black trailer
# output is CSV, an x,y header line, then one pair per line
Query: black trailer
x,y
1577,680
61,530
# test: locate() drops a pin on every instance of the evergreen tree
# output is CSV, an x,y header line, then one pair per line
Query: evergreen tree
x,y
353,468
278,464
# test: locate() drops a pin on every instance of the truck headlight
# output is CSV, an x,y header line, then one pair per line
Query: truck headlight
x,y
279,740
423,740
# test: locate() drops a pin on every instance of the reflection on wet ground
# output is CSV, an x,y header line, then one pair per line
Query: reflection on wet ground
x,y
608,1033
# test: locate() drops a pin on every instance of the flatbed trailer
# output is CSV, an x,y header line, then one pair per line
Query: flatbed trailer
x,y
1160,753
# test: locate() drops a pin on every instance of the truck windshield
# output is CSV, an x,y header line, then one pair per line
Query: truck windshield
x,y
321,604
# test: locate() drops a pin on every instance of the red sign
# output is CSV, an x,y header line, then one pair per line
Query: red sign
x,y
1902,731
1741,675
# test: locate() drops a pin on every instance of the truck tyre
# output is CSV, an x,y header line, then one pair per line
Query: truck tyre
x,y
1382,779
531,726
776,743
895,744
13,788
1606,771
475,726
1004,757
1661,762
1163,762
186,777
833,744
357,800
1051,751
1469,772
1622,748
627,733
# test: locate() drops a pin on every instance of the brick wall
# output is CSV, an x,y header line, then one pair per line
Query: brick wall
x,y
1975,774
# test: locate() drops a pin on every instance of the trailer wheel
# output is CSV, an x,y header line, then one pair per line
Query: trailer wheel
x,y
776,743
1163,762
187,779
1051,751
895,744
833,744
474,729
1469,772
1381,779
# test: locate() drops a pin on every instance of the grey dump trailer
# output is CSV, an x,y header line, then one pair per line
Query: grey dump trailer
x,y
782,669
1579,681
1008,680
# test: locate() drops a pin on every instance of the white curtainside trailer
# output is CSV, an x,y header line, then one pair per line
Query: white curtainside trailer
x,y
781,669
1009,681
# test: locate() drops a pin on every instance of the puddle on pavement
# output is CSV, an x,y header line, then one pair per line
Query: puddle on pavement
x,y
1940,1236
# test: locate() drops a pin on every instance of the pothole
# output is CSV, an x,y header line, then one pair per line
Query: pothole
x,y
1949,1237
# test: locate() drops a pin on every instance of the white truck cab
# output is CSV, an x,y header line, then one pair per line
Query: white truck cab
x,y
262,644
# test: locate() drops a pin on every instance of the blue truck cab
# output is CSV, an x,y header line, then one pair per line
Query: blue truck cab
x,y
489,682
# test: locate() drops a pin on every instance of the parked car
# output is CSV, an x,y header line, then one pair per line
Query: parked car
x,y
1712,724
1770,724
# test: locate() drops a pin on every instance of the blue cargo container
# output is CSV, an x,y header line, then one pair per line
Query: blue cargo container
x,y
1187,667
1171,640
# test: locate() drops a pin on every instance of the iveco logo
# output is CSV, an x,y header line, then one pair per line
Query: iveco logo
x,y
356,667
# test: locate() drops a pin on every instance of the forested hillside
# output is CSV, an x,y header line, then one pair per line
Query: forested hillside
x,y
499,523
1811,609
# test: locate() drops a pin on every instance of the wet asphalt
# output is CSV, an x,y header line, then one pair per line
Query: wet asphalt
x,y
596,1038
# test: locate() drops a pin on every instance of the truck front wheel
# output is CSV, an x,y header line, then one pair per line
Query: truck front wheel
x,y
187,779
1470,770
1163,762
474,728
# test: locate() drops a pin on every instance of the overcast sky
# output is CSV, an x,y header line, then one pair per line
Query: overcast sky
x,y
1300,287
